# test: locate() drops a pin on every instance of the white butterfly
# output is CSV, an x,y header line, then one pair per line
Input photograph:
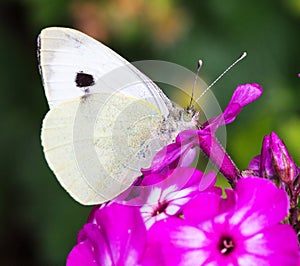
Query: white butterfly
x,y
106,120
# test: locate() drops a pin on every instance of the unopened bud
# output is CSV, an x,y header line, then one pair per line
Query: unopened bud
x,y
283,163
266,165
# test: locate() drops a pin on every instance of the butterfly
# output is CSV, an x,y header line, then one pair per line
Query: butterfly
x,y
107,119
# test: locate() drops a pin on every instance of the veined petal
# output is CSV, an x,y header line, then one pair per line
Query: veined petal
x,y
266,164
275,246
242,96
180,242
82,254
246,93
117,236
254,165
127,237
203,207
268,204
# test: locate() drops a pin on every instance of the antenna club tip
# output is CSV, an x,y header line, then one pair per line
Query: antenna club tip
x,y
244,54
200,62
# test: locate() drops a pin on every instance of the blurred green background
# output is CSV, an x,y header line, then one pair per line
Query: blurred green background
x,y
39,220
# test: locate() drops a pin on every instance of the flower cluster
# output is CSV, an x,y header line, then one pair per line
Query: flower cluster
x,y
178,216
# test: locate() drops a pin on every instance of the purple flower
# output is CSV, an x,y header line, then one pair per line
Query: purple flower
x,y
173,191
245,229
116,235
174,155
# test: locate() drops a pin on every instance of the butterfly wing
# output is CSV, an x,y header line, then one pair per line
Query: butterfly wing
x,y
97,145
73,64
99,130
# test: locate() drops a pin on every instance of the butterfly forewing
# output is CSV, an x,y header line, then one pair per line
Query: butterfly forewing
x,y
73,64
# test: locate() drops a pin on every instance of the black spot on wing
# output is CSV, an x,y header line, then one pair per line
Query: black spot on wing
x,y
84,80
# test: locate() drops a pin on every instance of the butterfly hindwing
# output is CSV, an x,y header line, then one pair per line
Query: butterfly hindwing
x,y
97,145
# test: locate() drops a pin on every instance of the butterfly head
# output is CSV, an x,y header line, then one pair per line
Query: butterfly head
x,y
191,115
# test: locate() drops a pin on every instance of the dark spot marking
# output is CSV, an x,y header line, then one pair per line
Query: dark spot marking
x,y
162,206
84,80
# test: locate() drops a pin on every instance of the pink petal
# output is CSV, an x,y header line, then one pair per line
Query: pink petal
x,y
81,254
125,230
254,164
260,204
178,243
242,96
266,164
206,206
276,246
207,181
91,249
212,148
246,93
116,236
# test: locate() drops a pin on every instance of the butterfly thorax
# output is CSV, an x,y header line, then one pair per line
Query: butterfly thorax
x,y
179,119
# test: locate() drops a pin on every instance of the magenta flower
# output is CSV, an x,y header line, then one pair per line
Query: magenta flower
x,y
116,235
174,155
245,229
173,191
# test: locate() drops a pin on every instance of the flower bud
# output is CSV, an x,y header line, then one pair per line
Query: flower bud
x,y
266,165
283,164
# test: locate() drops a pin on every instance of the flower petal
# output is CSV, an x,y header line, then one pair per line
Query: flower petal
x,y
242,96
208,181
275,246
254,165
266,164
245,94
179,243
212,148
205,206
92,249
116,236
82,254
124,228
260,204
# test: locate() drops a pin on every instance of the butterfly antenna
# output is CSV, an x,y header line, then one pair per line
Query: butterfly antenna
x,y
195,82
242,56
